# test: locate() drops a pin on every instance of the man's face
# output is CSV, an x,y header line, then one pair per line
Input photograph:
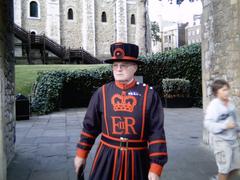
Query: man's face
x,y
124,71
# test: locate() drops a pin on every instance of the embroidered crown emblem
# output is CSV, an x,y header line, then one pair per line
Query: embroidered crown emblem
x,y
123,102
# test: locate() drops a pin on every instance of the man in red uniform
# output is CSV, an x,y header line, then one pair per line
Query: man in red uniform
x,y
129,117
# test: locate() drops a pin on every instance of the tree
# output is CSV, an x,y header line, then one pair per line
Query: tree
x,y
155,30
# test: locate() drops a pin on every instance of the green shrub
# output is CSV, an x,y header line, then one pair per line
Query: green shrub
x,y
47,91
184,62
175,88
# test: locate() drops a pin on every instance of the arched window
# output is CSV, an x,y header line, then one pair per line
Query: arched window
x,y
34,9
70,14
104,17
133,21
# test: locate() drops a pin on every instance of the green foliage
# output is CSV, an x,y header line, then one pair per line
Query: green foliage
x,y
184,62
26,75
155,30
48,88
173,88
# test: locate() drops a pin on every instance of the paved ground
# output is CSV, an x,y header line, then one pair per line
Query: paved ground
x,y
45,146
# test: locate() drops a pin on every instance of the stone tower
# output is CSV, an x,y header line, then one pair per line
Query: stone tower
x,y
90,24
143,36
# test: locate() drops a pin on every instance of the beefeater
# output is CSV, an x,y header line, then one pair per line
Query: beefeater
x,y
129,117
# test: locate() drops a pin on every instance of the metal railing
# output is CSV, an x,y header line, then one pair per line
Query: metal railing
x,y
42,41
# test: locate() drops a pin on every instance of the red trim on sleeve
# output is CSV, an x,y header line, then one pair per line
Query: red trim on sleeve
x,y
160,141
85,144
88,135
82,153
158,154
156,168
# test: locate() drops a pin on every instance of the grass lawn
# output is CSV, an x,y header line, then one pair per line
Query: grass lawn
x,y
25,75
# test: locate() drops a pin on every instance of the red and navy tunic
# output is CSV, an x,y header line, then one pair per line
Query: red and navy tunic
x,y
130,120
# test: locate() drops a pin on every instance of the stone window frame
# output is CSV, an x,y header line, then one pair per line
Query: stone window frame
x,y
133,19
68,11
104,17
38,7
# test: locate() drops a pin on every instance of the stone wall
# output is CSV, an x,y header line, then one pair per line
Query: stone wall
x,y
88,26
131,9
220,47
18,12
36,24
143,36
105,31
7,97
71,31
53,20
121,20
18,21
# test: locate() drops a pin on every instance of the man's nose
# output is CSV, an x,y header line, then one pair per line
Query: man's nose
x,y
119,68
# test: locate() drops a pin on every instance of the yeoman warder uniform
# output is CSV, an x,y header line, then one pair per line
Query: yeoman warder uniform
x,y
130,120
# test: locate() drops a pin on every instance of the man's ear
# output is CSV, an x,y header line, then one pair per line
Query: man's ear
x,y
135,68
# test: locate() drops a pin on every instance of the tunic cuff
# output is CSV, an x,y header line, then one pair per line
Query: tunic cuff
x,y
82,153
156,168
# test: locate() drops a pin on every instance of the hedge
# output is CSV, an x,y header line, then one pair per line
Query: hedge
x,y
48,89
173,88
182,63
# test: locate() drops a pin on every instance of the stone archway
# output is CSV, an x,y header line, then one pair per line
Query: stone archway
x,y
7,91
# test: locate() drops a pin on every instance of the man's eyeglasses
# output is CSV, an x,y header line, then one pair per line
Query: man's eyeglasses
x,y
121,66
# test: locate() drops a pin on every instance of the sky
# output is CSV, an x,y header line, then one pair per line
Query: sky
x,y
174,12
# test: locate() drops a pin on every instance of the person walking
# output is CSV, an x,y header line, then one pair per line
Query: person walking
x,y
222,123
130,119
